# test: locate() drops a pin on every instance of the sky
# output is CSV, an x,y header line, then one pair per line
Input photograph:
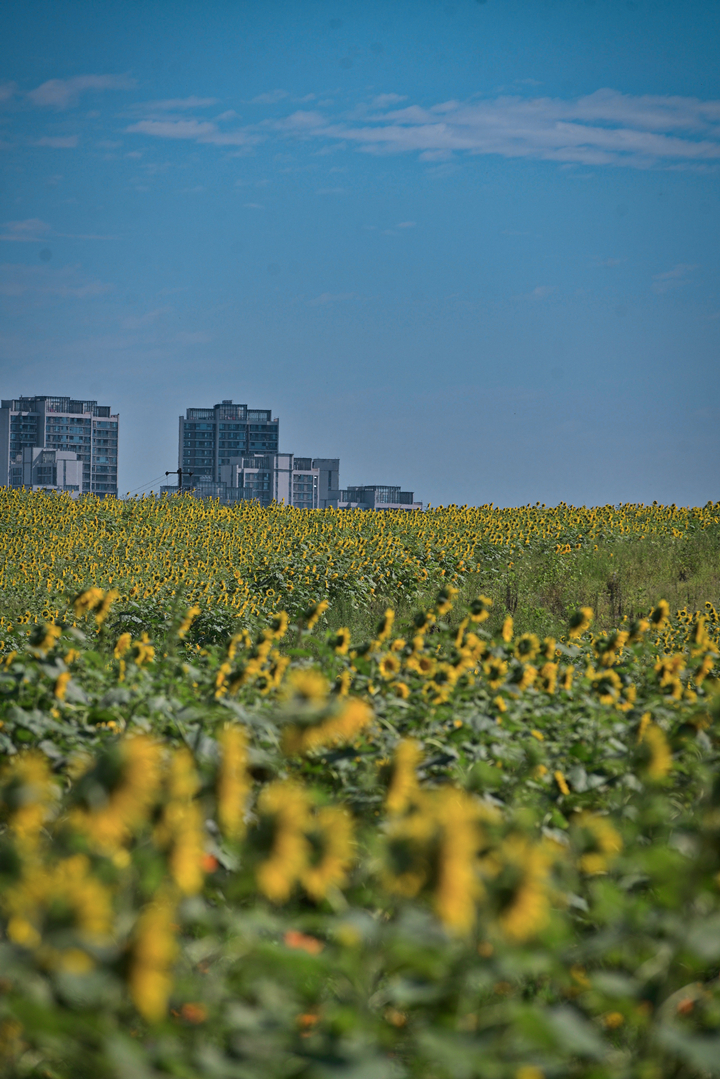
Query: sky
x,y
470,248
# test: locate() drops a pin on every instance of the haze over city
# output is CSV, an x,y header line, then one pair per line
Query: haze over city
x,y
468,248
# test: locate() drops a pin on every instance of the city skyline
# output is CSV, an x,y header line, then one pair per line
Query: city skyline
x,y
476,240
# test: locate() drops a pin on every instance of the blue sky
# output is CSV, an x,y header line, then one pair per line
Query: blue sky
x,y
470,248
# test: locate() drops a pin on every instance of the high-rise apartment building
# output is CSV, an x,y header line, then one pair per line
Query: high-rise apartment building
x,y
210,437
83,428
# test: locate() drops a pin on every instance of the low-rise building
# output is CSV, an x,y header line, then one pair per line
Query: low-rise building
x,y
303,482
376,497
46,469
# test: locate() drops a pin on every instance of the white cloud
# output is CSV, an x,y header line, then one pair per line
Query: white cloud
x,y
674,278
31,230
42,282
269,98
253,206
603,128
136,322
202,131
541,291
176,104
35,231
406,225
63,93
57,142
384,101
7,90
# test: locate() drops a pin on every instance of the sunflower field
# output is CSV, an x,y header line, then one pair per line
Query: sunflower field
x,y
306,793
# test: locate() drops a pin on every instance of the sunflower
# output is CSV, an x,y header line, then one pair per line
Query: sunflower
x,y
660,614
458,886
340,643
401,690
548,677
44,637
566,678
233,781
516,876
608,646
445,599
408,854
341,726
580,622
28,794
404,788
187,621
314,613
58,898
278,625
421,664
606,685
154,951
526,647
283,817
480,609
330,851
308,686
385,625
668,669
389,666
495,671
548,648
655,750
597,842
115,796
507,629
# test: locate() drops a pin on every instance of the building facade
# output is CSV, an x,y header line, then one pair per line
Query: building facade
x,y
210,437
38,469
83,428
303,482
374,497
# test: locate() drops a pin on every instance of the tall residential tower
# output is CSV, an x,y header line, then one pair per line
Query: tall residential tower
x,y
85,429
209,437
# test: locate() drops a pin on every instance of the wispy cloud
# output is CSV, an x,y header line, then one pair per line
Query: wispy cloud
x,y
40,281
31,230
603,128
202,131
270,98
177,104
7,90
64,93
670,279
406,225
384,101
57,142
136,322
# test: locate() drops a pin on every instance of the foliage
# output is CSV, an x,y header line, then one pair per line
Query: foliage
x,y
453,849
